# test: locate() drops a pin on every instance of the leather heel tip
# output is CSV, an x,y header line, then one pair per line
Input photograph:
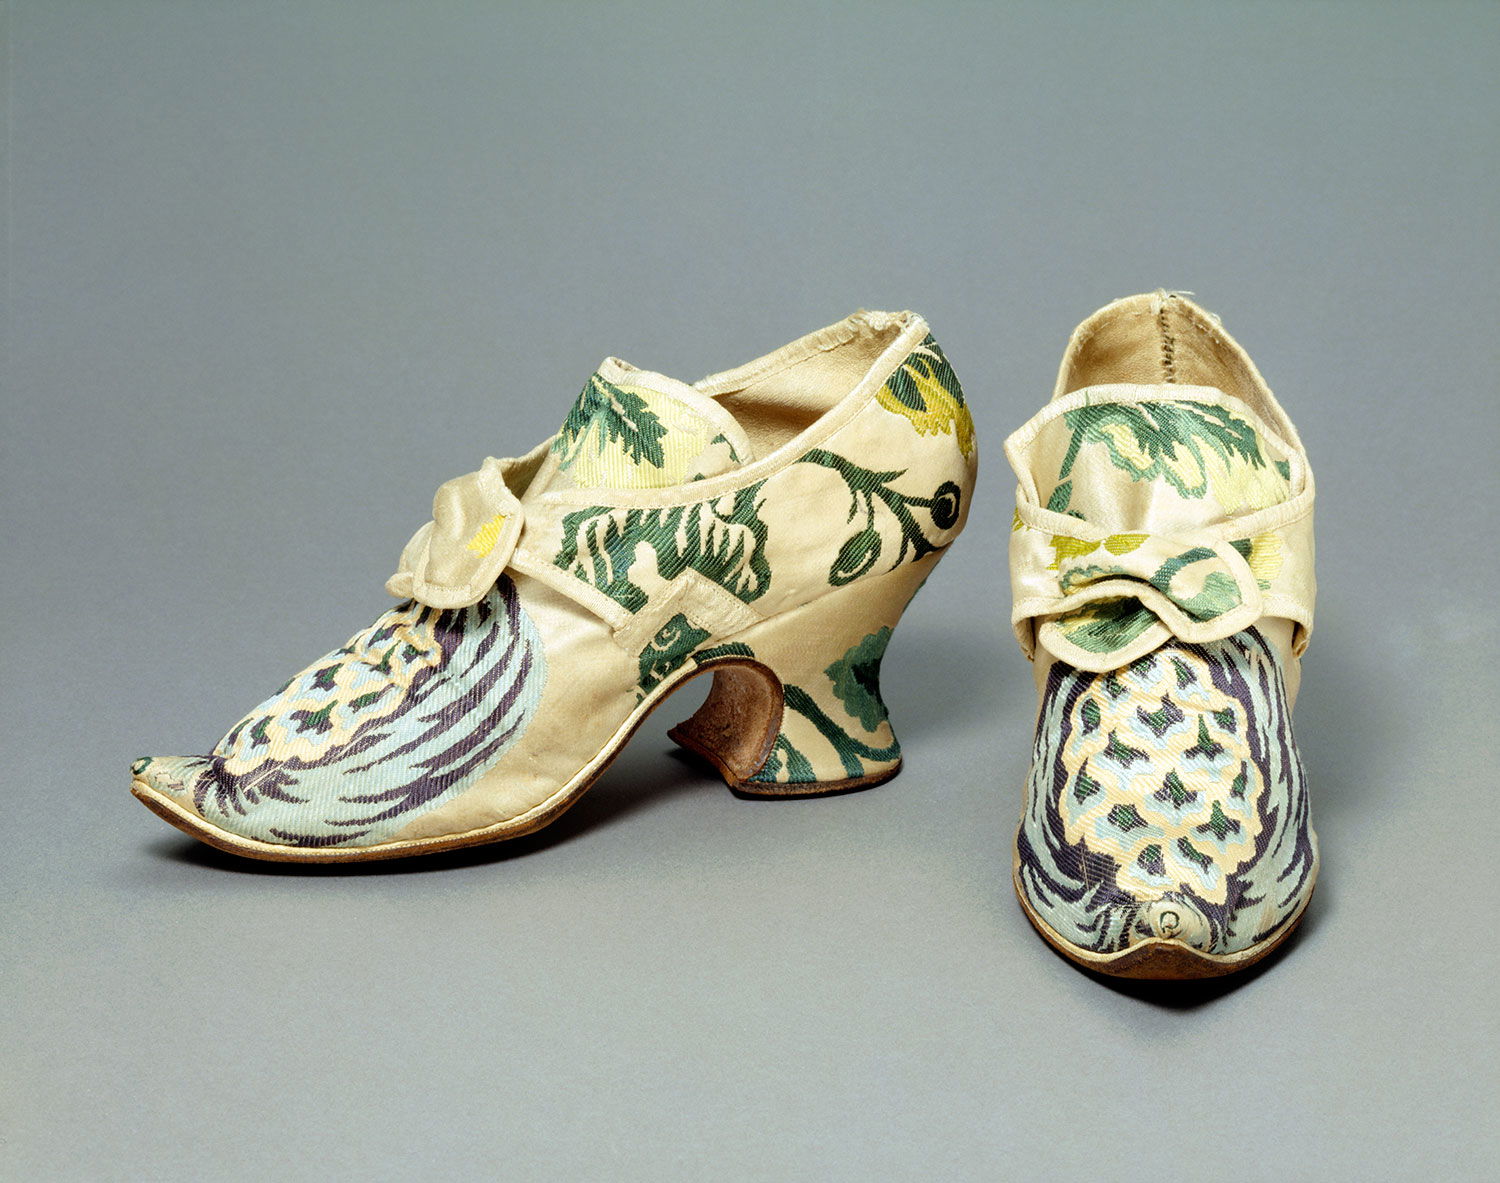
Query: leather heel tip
x,y
773,790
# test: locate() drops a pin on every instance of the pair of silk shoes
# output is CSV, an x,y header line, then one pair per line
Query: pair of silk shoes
x,y
770,525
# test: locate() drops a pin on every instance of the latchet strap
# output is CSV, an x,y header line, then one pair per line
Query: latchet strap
x,y
1111,600
493,519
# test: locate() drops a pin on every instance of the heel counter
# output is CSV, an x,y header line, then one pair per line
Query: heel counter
x,y
929,392
908,463
926,391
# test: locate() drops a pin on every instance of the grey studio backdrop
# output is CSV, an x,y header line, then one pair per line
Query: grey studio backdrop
x,y
275,271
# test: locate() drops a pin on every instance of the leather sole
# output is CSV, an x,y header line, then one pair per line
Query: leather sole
x,y
1159,958
733,730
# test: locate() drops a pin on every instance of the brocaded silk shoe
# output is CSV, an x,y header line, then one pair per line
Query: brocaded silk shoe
x,y
768,524
1162,568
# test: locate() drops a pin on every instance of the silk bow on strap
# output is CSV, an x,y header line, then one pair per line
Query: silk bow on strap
x,y
1119,597
454,559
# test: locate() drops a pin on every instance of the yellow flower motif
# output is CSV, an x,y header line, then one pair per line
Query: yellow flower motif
x,y
1065,547
1240,487
926,392
1124,441
1265,557
486,536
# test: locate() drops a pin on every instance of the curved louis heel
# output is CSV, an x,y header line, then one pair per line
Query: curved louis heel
x,y
795,709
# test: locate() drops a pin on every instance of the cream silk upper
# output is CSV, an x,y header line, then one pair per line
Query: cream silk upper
x,y
783,513
1161,562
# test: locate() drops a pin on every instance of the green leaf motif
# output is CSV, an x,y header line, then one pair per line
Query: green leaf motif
x,y
867,489
671,646
620,416
850,749
1218,594
1107,625
856,679
734,453
723,540
785,754
1152,440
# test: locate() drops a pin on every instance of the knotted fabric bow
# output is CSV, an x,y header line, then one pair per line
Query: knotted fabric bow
x,y
454,559
1119,597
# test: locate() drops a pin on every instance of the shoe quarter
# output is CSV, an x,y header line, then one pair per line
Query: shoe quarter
x,y
890,486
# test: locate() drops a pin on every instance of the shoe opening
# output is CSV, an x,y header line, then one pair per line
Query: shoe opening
x,y
1161,338
778,397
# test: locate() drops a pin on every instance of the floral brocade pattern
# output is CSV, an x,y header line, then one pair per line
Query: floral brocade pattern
x,y
624,436
1196,449
644,548
1165,478
926,391
1193,824
1169,788
407,712
725,538
722,539
845,714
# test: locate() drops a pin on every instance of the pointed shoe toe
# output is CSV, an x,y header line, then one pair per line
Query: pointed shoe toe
x,y
1161,565
167,780
766,526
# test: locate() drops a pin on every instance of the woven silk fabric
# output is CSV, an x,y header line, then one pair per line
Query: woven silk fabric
x,y
1162,575
371,735
1145,512
553,596
1167,799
